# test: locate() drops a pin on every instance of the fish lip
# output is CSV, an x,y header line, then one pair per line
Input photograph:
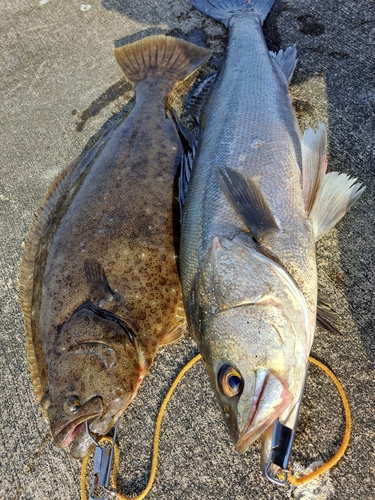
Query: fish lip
x,y
63,437
253,432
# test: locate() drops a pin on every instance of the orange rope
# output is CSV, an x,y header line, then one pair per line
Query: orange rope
x,y
348,427
293,480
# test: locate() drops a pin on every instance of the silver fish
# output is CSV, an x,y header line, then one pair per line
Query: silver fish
x,y
258,199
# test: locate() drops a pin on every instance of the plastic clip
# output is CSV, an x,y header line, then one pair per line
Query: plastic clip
x,y
276,470
102,466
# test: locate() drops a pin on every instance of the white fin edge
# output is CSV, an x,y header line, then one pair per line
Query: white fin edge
x,y
287,60
314,163
337,194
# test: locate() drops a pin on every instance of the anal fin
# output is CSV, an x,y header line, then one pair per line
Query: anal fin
x,y
314,163
287,60
337,194
249,201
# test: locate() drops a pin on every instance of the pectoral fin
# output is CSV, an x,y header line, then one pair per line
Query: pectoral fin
x,y
97,283
249,201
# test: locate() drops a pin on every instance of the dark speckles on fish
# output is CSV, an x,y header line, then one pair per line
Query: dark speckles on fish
x,y
99,286
258,199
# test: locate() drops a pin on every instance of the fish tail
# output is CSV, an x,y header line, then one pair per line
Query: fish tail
x,y
223,10
169,58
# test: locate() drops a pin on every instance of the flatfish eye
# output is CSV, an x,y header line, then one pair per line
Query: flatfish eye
x,y
72,404
230,381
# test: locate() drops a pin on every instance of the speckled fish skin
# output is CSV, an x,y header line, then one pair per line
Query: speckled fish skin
x,y
250,305
99,285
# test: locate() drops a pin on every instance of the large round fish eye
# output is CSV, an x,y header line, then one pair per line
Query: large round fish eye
x,y
230,381
72,404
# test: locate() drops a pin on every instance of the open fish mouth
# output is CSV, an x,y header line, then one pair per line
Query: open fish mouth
x,y
64,437
271,398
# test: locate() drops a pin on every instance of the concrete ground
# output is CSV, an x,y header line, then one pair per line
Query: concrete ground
x,y
59,85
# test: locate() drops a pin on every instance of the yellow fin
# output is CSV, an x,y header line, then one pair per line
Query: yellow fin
x,y
161,56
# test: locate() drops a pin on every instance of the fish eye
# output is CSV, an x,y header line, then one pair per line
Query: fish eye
x,y
72,404
230,381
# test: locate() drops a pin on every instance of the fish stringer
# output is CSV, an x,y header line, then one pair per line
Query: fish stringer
x,y
102,465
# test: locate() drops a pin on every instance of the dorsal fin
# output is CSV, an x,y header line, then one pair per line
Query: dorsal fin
x,y
249,201
27,269
161,56
185,173
197,98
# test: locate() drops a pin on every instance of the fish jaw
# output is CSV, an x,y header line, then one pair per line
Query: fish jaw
x,y
68,428
271,398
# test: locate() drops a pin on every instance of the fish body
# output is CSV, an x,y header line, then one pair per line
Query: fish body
x,y
99,285
254,209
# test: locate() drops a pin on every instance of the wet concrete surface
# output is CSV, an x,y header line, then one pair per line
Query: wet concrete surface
x,y
60,84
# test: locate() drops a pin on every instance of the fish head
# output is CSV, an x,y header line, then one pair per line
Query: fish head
x,y
94,375
253,331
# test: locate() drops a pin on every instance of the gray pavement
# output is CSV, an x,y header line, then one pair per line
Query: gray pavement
x,y
59,85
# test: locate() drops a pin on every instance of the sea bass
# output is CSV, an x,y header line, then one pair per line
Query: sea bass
x,y
99,285
257,201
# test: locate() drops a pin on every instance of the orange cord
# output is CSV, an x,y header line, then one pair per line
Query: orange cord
x,y
348,427
293,480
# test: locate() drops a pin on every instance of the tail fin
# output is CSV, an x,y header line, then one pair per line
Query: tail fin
x,y
160,56
223,10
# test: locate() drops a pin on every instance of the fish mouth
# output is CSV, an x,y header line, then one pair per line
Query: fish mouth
x,y
71,430
68,431
271,398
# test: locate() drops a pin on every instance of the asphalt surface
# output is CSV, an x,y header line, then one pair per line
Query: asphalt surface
x,y
59,85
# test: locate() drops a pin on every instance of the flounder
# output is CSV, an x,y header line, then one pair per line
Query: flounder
x,y
99,284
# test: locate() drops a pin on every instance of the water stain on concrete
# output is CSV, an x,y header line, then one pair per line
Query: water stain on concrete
x,y
310,26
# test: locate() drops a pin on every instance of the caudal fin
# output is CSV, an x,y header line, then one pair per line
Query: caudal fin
x,y
223,10
161,56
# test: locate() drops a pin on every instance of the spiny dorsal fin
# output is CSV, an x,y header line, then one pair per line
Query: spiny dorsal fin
x,y
27,269
337,194
247,198
287,60
197,98
314,163
162,56
185,173
186,137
